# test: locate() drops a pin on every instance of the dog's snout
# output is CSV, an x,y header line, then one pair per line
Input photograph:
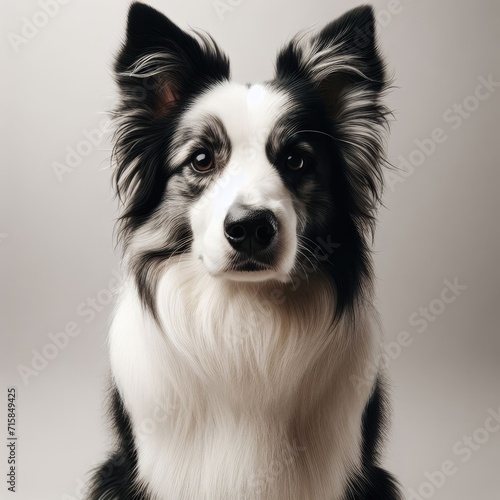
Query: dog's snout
x,y
250,230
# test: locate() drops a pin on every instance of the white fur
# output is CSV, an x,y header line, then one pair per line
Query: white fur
x,y
254,393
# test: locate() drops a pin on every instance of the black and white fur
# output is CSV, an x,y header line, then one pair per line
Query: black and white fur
x,y
247,375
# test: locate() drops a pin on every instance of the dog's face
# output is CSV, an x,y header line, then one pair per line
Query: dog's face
x,y
255,181
251,176
245,221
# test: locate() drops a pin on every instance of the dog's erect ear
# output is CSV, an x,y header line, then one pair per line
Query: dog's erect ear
x,y
343,64
343,53
160,64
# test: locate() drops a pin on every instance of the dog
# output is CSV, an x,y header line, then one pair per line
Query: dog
x,y
244,344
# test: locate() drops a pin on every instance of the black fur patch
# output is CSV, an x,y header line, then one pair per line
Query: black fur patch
x,y
373,483
116,477
335,84
147,272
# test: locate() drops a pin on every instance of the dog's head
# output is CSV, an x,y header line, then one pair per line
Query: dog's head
x,y
256,181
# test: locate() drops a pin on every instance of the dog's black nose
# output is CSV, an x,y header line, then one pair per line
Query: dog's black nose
x,y
249,230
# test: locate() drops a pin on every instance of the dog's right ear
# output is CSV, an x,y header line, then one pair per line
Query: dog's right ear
x,y
160,65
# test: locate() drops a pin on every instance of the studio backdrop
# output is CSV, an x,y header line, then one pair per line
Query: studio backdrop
x,y
436,249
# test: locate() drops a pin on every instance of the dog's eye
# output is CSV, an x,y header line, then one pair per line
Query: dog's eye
x,y
202,161
294,161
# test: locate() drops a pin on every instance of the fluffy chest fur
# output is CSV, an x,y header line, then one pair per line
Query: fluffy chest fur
x,y
240,391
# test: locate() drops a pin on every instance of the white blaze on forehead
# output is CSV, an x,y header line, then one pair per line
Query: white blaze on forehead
x,y
256,94
247,113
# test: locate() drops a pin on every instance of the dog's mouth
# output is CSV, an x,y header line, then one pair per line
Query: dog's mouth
x,y
249,266
256,262
240,268
240,264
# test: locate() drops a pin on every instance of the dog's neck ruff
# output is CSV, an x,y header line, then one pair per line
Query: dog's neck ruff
x,y
252,380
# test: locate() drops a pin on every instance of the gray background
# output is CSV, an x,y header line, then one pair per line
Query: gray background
x,y
440,222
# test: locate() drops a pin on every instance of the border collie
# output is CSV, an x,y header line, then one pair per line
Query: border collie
x,y
244,343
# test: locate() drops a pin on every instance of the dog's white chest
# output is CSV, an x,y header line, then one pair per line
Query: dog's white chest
x,y
241,396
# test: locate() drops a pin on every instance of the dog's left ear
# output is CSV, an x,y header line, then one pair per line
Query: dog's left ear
x,y
344,52
343,65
